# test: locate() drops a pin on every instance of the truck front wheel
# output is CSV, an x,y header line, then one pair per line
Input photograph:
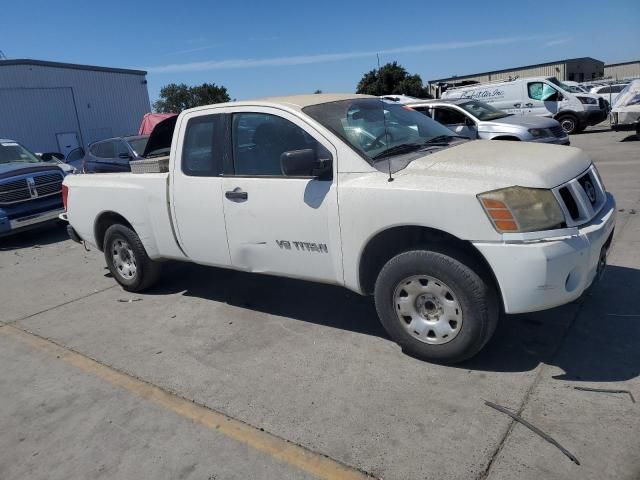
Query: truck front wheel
x,y
569,123
127,259
436,307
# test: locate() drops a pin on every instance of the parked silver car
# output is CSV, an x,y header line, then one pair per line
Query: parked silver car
x,y
479,120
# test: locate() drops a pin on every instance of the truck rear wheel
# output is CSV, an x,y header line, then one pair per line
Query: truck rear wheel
x,y
127,259
436,307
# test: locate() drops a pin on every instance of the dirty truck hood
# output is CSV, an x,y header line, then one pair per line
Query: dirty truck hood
x,y
503,163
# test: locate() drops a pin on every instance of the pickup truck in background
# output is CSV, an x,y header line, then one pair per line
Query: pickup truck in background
x,y
30,189
444,232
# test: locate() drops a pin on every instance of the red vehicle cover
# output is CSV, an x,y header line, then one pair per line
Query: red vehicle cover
x,y
150,120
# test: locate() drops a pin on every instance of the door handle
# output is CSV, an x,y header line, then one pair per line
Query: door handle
x,y
236,194
517,105
528,104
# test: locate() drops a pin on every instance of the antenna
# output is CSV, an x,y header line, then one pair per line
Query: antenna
x,y
384,121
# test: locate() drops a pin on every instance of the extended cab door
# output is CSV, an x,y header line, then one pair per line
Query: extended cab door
x,y
196,186
276,223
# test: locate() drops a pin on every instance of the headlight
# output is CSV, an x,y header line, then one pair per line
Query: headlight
x,y
540,132
520,209
589,100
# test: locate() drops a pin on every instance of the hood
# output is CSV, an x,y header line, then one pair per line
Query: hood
x,y
161,135
20,168
526,121
503,164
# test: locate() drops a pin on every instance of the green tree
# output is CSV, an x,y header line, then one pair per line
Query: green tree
x,y
392,79
177,97
317,91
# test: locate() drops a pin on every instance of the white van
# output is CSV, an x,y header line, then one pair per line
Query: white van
x,y
542,96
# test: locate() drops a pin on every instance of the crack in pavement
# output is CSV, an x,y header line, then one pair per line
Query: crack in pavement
x,y
13,322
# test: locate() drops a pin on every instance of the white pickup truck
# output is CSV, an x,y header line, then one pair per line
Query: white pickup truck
x,y
446,233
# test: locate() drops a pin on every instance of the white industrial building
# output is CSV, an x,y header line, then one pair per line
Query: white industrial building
x,y
51,106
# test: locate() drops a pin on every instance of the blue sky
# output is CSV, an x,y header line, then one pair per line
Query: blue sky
x,y
259,48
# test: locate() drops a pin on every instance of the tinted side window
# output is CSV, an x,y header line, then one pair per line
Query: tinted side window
x,y
202,151
119,147
448,116
103,150
605,90
617,88
260,139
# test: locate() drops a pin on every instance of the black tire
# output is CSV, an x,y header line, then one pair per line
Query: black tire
x,y
146,272
475,295
569,123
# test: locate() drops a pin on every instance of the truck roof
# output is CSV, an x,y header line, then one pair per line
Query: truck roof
x,y
297,102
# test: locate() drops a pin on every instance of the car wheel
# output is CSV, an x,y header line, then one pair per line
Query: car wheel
x,y
436,307
127,259
569,123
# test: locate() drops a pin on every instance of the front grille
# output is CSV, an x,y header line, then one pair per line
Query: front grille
x,y
44,184
581,198
570,203
557,131
15,191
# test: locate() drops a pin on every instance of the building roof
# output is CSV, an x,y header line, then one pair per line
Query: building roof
x,y
505,70
621,63
73,66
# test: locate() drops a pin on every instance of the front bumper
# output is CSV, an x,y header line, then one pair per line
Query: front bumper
x,y
553,140
8,227
592,117
539,274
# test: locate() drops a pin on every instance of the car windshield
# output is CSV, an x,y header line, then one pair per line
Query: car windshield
x,y
11,152
377,129
138,144
483,111
558,83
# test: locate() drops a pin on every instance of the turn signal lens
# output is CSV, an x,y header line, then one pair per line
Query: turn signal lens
x,y
500,215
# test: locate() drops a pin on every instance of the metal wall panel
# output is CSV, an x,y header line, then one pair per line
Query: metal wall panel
x,y
112,102
623,71
22,117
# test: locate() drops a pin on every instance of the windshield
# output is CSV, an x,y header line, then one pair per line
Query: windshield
x,y
14,152
138,144
483,111
377,129
558,83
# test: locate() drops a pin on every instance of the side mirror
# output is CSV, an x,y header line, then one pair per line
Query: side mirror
x,y
469,123
306,163
124,156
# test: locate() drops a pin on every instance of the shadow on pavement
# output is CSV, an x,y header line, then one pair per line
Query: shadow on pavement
x,y
631,138
598,346
45,235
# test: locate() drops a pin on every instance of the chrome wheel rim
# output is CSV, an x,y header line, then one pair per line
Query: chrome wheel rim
x,y
124,259
567,125
428,309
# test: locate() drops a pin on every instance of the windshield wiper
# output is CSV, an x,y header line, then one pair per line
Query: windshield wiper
x,y
441,140
397,149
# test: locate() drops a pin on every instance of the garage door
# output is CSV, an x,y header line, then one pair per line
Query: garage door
x,y
33,116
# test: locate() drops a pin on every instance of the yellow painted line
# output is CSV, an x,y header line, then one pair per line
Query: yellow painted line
x,y
276,447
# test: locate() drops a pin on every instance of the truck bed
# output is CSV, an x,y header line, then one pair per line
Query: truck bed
x,y
142,199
